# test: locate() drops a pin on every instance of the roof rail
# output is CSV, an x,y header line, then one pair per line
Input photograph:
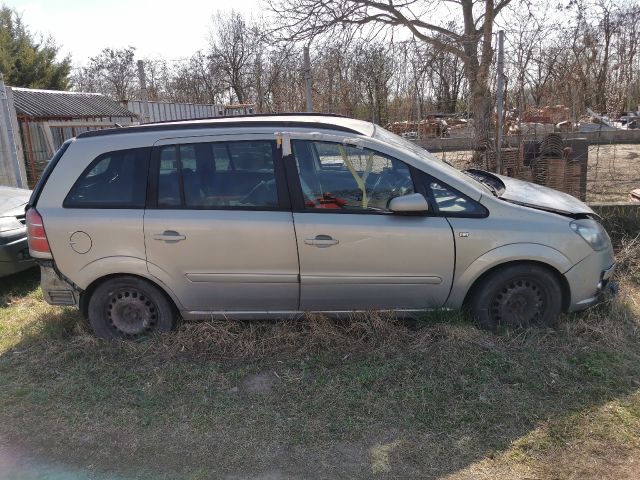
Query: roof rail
x,y
214,122
244,115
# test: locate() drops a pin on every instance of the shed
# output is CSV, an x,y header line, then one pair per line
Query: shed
x,y
46,118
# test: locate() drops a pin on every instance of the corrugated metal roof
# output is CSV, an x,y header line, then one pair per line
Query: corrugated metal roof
x,y
165,111
59,104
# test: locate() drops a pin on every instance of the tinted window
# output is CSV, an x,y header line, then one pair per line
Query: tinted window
x,y
451,202
218,175
336,176
113,180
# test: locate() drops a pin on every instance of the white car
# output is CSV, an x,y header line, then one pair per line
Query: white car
x,y
274,215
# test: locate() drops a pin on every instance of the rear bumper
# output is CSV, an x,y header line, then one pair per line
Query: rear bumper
x,y
14,255
55,289
589,278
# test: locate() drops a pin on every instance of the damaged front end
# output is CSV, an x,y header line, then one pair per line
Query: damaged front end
x,y
531,195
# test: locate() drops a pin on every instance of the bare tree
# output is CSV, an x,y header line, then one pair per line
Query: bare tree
x,y
306,19
111,72
233,47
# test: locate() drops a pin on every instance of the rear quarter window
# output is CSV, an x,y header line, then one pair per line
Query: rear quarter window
x,y
113,180
35,194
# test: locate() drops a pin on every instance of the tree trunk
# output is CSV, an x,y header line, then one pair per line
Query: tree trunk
x,y
481,109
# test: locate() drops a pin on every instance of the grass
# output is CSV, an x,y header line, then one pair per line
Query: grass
x,y
368,397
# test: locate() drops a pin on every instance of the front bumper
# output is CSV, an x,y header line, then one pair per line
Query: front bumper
x,y
14,254
589,278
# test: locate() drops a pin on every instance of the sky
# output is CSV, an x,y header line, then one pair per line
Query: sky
x,y
82,28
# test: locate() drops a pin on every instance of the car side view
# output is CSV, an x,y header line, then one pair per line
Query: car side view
x,y
270,216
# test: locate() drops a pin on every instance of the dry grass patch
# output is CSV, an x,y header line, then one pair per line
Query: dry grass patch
x,y
367,396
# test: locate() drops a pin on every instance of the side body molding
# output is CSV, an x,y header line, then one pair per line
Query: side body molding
x,y
466,275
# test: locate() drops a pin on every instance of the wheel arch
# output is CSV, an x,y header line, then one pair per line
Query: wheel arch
x,y
566,290
85,295
467,277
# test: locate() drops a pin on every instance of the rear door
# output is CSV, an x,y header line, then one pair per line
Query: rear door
x,y
355,253
218,228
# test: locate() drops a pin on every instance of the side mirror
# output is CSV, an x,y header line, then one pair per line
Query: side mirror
x,y
412,203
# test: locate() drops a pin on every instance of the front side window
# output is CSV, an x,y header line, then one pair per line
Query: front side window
x,y
218,175
343,177
114,180
450,202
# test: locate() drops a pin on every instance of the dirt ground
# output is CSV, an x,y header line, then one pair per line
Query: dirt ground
x,y
613,170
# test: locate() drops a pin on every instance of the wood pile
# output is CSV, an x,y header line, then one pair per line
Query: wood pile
x,y
554,165
511,161
424,128
549,114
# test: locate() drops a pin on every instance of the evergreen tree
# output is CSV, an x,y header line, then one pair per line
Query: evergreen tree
x,y
28,61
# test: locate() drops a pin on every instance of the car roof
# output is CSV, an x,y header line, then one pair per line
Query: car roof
x,y
286,120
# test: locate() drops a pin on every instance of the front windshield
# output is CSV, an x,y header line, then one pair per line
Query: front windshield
x,y
397,141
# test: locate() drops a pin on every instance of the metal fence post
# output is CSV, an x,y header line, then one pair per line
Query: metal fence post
x,y
146,118
307,78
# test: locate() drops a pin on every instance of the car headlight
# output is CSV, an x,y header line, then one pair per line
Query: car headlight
x,y
592,232
9,223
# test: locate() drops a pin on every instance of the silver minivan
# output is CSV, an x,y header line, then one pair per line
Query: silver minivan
x,y
276,215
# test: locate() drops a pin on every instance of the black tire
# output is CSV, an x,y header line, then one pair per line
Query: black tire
x,y
517,296
129,308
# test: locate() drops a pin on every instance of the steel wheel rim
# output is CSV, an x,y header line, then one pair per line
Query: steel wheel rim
x,y
131,313
520,302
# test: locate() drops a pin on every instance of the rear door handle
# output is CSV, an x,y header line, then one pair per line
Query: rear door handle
x,y
169,236
321,241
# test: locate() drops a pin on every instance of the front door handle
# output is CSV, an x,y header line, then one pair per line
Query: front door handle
x,y
169,236
321,241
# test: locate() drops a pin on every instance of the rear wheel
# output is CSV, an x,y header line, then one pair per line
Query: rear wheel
x,y
517,296
129,308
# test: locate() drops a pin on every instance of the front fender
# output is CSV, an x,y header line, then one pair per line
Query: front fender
x,y
466,276
119,265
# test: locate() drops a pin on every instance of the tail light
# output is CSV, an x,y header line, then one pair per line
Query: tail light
x,y
36,235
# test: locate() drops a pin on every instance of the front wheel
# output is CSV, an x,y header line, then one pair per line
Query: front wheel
x,y
517,296
129,308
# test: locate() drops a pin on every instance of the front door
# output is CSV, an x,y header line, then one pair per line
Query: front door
x,y
219,231
355,253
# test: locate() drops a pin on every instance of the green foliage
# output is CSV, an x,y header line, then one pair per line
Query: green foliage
x,y
28,61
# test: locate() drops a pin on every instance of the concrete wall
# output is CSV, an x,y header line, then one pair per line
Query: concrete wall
x,y
12,171
594,138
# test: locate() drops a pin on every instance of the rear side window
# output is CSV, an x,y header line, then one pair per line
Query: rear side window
x,y
218,175
113,180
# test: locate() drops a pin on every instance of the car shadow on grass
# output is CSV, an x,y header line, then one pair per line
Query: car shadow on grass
x,y
18,284
368,397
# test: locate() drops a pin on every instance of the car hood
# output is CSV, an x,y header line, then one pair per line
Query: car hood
x,y
13,201
537,196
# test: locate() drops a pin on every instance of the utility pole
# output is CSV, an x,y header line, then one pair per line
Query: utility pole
x,y
146,118
307,78
500,100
